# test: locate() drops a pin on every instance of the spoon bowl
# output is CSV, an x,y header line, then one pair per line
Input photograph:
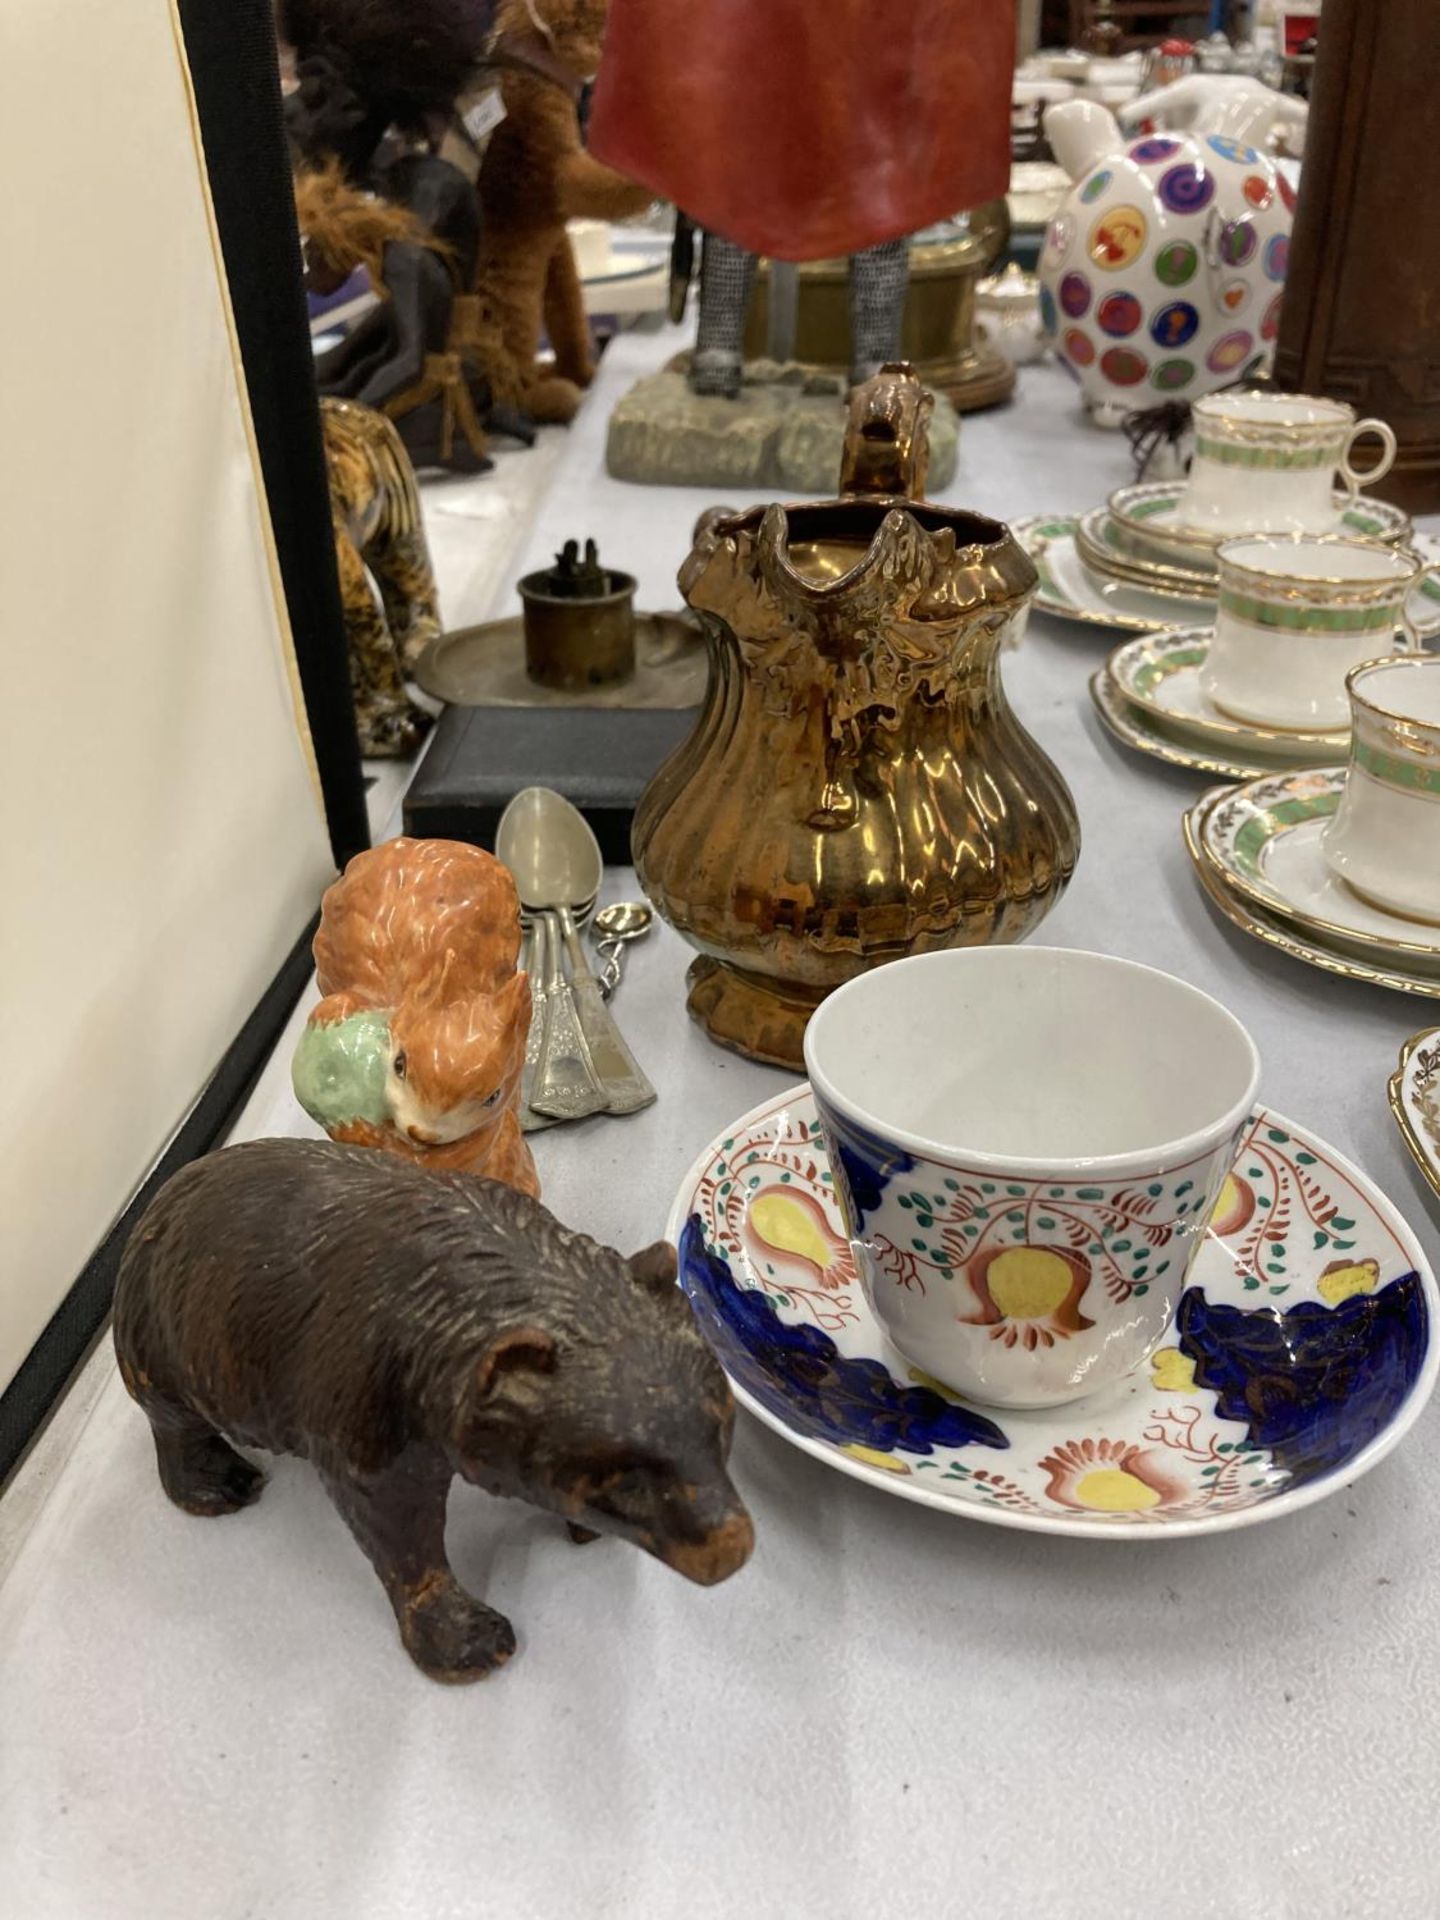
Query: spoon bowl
x,y
553,857
623,920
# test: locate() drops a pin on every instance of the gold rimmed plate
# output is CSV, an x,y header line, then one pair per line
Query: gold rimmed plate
x,y
1266,842
1415,1100
1147,524
1104,551
1133,727
1159,673
1280,934
1068,591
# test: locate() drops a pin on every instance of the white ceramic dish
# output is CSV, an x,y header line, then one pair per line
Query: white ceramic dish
x,y
1070,592
1133,726
1283,935
1162,675
1415,1100
1265,841
1334,1338
1148,526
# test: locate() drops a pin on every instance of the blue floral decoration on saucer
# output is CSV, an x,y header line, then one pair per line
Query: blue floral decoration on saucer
x,y
1316,1384
800,1375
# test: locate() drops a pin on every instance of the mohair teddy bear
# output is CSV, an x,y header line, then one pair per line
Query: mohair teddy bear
x,y
537,175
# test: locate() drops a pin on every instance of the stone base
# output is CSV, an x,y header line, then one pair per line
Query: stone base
x,y
783,434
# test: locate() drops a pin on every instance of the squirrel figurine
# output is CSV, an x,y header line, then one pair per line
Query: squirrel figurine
x,y
418,1045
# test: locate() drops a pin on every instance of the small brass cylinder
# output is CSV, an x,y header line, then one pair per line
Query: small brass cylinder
x,y
572,643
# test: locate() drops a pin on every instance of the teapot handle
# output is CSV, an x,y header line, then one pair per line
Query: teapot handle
x,y
887,442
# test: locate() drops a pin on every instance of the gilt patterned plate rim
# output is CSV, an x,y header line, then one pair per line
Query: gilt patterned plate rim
x,y
1101,557
1123,502
1134,729
1242,869
1131,657
1421,1134
1281,935
1038,534
783,1130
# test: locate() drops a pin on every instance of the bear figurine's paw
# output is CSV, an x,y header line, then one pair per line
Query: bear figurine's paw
x,y
451,1637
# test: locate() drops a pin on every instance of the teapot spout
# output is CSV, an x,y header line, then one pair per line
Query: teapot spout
x,y
1081,133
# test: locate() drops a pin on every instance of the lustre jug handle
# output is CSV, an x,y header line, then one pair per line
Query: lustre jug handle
x,y
887,441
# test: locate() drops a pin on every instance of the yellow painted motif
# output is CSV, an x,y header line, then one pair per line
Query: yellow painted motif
x,y
1230,1201
782,1223
1112,1490
923,1379
1340,1282
872,1457
1028,1283
1171,1371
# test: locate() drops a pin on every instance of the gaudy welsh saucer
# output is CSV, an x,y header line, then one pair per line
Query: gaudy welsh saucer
x,y
1415,1100
1283,935
1302,1349
1160,674
1264,841
1069,592
1133,726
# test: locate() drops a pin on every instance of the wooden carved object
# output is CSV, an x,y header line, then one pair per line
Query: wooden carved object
x,y
1361,317
419,1042
398,1328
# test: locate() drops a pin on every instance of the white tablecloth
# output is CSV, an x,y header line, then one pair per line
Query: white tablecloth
x,y
889,1711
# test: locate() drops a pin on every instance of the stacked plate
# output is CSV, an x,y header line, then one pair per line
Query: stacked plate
x,y
1257,849
1149,695
1130,566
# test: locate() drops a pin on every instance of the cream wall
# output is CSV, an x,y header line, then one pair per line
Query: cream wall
x,y
161,839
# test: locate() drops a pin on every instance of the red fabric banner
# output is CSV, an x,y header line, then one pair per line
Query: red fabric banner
x,y
805,129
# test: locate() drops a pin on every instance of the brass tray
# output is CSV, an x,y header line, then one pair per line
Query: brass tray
x,y
484,666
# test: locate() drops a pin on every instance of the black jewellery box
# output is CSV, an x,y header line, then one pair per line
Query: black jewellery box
x,y
600,758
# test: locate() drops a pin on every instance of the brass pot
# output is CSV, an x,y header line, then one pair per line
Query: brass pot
x,y
856,788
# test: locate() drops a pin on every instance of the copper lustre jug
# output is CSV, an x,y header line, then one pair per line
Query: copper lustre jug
x,y
856,788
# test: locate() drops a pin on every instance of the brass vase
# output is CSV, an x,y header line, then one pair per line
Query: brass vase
x,y
856,788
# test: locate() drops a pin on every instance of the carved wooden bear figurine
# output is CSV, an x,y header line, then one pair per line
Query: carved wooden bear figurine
x,y
398,1327
419,1044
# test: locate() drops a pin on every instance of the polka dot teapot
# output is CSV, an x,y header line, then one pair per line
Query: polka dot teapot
x,y
1161,275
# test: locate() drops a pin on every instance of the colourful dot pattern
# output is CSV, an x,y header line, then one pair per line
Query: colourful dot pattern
x,y
1149,152
1175,324
1175,263
1123,367
1165,182
1117,238
1119,314
1228,351
1187,188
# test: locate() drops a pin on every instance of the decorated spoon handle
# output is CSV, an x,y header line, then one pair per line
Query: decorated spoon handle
x,y
567,1086
625,1085
536,953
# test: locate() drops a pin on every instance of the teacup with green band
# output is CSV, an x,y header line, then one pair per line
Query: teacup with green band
x,y
1294,616
1266,462
1384,840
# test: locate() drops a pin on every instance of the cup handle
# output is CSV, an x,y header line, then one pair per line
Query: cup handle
x,y
1353,480
1417,639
